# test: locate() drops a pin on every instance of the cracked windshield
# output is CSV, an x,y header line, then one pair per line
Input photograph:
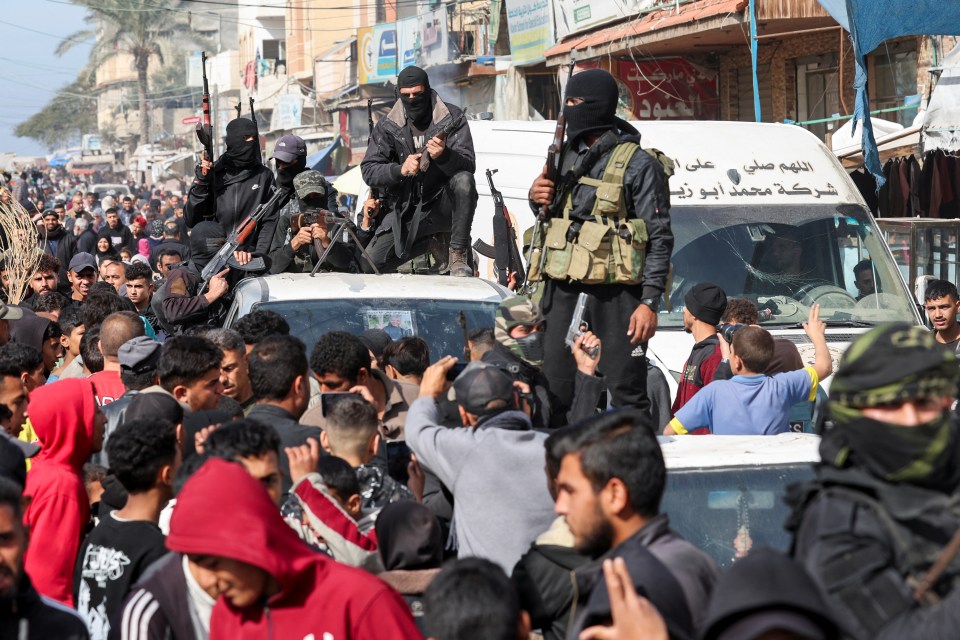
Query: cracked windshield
x,y
786,259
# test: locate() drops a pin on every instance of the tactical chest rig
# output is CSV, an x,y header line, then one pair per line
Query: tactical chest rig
x,y
609,249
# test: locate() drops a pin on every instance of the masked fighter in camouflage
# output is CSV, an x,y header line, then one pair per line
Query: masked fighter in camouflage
x,y
883,505
519,332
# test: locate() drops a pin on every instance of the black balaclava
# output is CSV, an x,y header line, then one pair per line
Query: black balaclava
x,y
420,109
286,175
206,238
240,153
598,111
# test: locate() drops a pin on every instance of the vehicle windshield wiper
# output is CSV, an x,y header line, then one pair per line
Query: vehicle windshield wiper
x,y
829,323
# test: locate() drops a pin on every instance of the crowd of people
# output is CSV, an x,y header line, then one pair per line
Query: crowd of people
x,y
162,476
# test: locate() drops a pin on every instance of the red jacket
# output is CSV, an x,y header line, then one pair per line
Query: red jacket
x,y
223,511
62,414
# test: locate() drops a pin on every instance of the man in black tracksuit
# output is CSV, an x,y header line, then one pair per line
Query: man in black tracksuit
x,y
230,189
420,204
623,316
883,507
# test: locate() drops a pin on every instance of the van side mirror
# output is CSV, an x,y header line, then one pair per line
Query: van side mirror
x,y
920,287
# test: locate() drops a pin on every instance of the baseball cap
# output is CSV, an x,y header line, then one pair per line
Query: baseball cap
x,y
139,355
289,148
10,312
51,213
28,449
82,261
310,183
482,388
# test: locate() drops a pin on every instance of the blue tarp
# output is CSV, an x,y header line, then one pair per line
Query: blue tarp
x,y
870,23
315,162
59,160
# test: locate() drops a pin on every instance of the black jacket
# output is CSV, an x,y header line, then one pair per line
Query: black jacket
x,y
392,141
291,432
237,194
157,607
119,238
87,241
652,579
544,581
39,617
863,540
66,248
647,196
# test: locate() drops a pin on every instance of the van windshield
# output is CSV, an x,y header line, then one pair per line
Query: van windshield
x,y
787,258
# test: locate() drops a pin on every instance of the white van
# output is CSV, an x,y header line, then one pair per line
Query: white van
x,y
740,194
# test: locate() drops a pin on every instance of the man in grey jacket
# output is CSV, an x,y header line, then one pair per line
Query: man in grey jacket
x,y
493,465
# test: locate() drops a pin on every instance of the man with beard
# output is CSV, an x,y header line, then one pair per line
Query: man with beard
x,y
883,506
57,242
179,303
231,188
24,613
608,489
621,239
422,189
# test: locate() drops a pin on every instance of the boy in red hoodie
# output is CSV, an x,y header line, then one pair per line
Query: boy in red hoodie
x,y
271,582
69,426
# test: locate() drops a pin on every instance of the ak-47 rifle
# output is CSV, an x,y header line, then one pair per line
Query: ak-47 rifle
x,y
445,131
504,252
204,128
554,153
374,193
253,116
224,257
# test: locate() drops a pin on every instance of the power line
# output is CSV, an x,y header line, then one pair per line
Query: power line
x,y
43,33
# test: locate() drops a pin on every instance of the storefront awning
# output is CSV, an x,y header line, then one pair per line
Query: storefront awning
x,y
640,31
316,161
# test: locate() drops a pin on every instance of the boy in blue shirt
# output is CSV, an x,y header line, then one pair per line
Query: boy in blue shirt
x,y
751,403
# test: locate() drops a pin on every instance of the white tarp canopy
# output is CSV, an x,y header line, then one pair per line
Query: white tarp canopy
x,y
941,126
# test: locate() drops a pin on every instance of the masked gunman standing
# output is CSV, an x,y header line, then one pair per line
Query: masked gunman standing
x,y
230,189
884,505
608,236
417,214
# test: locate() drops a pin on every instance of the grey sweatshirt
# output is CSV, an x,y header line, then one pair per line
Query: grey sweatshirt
x,y
495,472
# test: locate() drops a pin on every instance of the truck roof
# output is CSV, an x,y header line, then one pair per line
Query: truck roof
x,y
323,286
715,452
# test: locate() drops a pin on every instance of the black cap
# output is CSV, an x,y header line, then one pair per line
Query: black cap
x,y
706,302
482,388
376,340
766,591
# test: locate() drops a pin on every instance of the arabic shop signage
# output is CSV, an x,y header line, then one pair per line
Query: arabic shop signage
x,y
574,16
703,181
667,89
531,29
377,48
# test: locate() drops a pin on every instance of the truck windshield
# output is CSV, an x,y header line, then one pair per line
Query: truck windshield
x,y
787,258
436,321
728,512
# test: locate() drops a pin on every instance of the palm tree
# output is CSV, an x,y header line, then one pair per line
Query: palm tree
x,y
140,28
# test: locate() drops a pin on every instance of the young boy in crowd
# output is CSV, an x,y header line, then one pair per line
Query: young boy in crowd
x,y
144,456
351,433
71,333
752,403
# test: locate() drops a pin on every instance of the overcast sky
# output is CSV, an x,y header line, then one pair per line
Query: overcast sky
x,y
30,30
